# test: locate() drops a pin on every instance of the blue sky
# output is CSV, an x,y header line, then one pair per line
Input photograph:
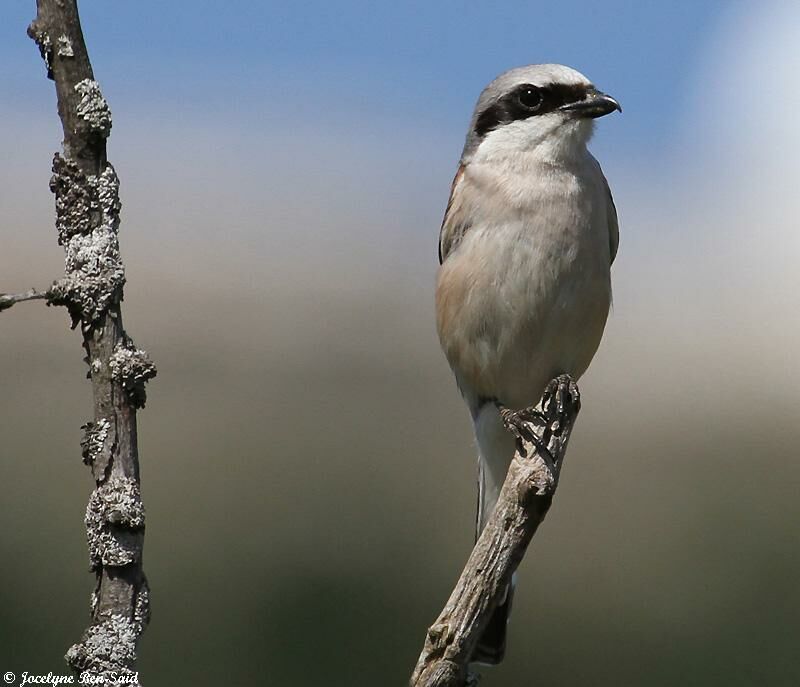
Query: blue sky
x,y
277,129
352,64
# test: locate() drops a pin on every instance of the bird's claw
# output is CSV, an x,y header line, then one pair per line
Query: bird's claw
x,y
562,391
560,402
517,422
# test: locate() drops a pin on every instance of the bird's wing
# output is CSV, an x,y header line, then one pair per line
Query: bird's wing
x,y
613,222
454,224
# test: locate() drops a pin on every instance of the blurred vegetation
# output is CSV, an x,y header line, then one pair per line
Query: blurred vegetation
x,y
309,501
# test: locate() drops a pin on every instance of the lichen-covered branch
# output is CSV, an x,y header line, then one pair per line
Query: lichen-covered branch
x,y
86,190
542,436
9,299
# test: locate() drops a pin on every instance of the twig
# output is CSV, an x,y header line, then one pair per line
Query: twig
x,y
86,189
543,434
9,299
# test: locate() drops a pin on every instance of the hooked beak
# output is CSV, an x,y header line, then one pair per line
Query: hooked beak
x,y
594,104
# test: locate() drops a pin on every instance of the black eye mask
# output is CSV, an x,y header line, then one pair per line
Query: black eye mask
x,y
527,101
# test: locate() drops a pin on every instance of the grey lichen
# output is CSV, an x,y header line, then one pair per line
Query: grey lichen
x,y
45,46
93,108
76,197
94,439
132,368
141,611
107,185
94,599
87,219
107,652
65,46
94,277
97,446
114,523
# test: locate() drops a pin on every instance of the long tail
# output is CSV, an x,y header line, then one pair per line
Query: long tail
x,y
496,449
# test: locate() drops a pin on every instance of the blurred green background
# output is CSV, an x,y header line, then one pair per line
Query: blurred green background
x,y
307,464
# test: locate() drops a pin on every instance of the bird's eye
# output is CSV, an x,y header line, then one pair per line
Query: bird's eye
x,y
529,97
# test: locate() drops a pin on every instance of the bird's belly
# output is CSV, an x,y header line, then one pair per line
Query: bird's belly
x,y
515,309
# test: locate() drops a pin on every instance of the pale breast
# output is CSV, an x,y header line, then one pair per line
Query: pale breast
x,y
525,294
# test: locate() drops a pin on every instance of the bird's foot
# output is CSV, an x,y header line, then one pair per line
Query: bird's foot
x,y
560,403
563,392
515,420
518,422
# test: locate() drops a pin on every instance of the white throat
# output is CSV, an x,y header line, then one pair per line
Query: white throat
x,y
546,139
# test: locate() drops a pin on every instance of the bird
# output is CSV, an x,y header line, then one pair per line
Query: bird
x,y
523,288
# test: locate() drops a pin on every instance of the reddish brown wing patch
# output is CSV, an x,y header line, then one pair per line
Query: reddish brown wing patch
x,y
456,179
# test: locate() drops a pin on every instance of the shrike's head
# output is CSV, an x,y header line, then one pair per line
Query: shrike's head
x,y
547,109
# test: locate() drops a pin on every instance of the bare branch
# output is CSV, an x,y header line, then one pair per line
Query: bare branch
x,y
9,299
86,189
543,433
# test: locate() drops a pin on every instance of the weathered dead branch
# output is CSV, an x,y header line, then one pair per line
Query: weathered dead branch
x,y
87,219
543,433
